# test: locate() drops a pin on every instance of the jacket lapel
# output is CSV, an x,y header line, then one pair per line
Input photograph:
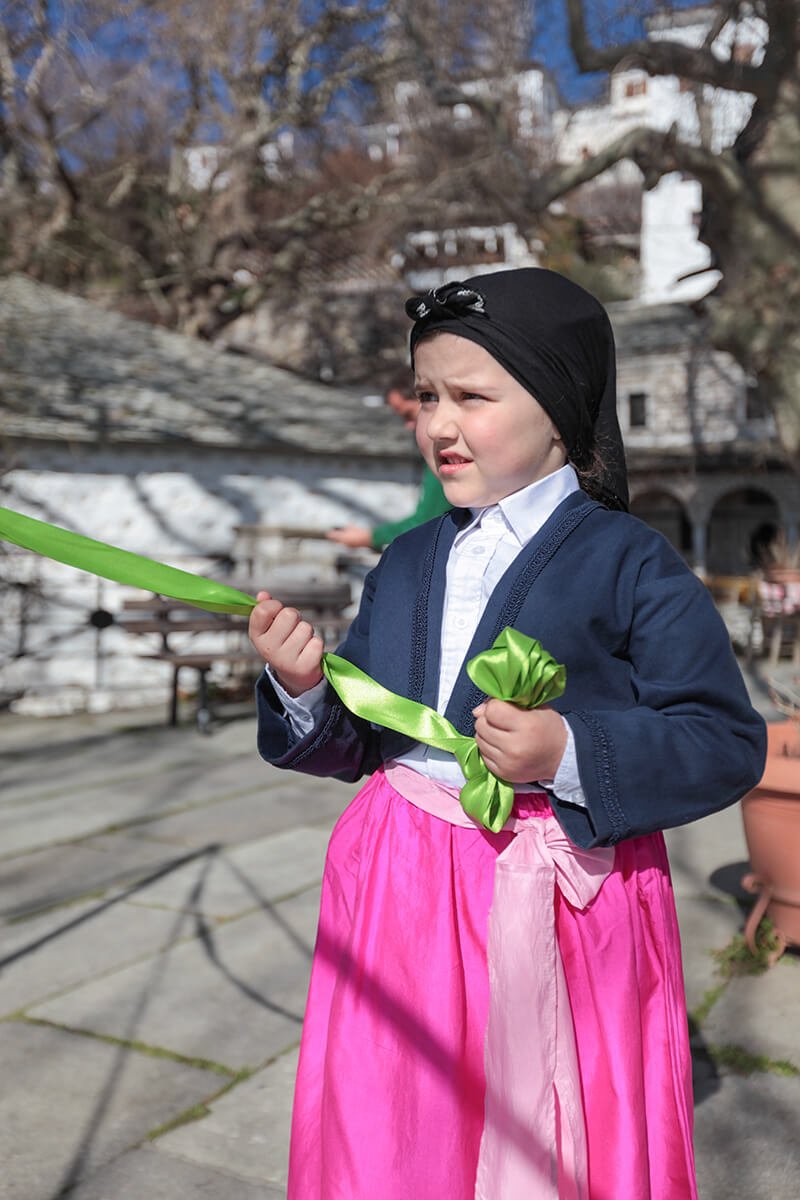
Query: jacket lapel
x,y
508,597
423,674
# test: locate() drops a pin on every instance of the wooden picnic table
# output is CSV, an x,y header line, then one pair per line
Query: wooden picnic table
x,y
321,602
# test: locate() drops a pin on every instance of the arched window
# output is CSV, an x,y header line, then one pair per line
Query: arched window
x,y
742,522
666,514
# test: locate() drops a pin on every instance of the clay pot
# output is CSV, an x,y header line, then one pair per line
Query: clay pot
x,y
771,815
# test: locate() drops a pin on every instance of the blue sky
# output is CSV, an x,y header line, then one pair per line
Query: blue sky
x,y
609,21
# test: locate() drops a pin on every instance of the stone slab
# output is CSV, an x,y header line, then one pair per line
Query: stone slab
x,y
21,736
760,1013
700,853
82,812
149,1174
233,881
30,883
234,994
247,1130
78,811
77,1103
24,733
747,1139
52,953
269,807
89,760
28,827
707,923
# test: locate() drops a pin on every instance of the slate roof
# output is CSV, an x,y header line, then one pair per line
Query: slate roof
x,y
72,371
650,328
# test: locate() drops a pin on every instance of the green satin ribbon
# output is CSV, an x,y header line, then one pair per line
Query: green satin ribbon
x,y
516,668
120,565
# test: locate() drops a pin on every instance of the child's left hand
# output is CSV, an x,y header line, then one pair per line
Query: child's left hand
x,y
520,745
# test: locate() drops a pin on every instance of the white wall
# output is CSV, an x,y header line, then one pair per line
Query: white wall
x,y
172,507
669,245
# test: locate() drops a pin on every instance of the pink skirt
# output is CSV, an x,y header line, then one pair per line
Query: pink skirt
x,y
389,1100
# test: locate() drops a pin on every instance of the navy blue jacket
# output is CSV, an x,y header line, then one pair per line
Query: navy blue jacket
x,y
664,730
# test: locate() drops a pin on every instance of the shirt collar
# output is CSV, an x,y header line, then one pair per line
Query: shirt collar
x,y
525,512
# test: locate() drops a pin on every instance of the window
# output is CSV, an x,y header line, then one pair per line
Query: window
x,y
637,410
743,52
755,406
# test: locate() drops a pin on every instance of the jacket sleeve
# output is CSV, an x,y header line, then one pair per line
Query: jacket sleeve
x,y
692,743
341,745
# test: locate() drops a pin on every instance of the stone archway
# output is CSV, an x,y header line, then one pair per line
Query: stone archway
x,y
741,522
664,512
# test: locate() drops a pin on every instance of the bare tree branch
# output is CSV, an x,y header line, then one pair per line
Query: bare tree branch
x,y
663,57
656,152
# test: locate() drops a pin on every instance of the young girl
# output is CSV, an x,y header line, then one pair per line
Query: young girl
x,y
501,1015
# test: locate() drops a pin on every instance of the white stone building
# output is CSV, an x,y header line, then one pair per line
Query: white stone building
x,y
530,94
674,263
162,445
703,460
435,256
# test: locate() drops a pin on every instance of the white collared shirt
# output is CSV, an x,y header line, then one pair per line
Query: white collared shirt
x,y
479,557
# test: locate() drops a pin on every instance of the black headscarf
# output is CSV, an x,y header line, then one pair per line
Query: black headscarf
x,y
556,340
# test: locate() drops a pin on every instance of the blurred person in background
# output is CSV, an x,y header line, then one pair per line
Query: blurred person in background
x,y
401,398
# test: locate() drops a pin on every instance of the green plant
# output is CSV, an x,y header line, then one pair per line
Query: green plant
x,y
737,959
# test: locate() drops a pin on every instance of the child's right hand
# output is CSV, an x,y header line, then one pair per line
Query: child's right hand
x,y
287,643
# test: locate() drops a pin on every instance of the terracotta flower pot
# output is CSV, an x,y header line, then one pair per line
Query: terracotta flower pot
x,y
771,815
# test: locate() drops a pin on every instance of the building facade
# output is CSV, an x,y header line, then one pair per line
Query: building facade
x,y
702,455
165,446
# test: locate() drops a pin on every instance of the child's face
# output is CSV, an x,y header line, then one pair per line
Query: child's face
x,y
481,433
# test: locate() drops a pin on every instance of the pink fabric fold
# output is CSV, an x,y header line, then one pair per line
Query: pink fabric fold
x,y
534,1137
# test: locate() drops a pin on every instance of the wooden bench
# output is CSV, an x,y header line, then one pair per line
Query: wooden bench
x,y
165,617
321,603
202,663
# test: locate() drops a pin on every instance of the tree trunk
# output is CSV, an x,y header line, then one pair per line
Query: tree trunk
x,y
754,236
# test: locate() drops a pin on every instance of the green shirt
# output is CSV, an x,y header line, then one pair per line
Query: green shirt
x,y
431,504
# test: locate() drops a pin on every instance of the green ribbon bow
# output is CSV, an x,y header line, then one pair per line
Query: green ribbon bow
x,y
516,668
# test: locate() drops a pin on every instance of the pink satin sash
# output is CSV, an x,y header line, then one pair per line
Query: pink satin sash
x,y
534,1138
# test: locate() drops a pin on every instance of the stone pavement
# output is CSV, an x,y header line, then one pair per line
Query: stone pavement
x,y
158,899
